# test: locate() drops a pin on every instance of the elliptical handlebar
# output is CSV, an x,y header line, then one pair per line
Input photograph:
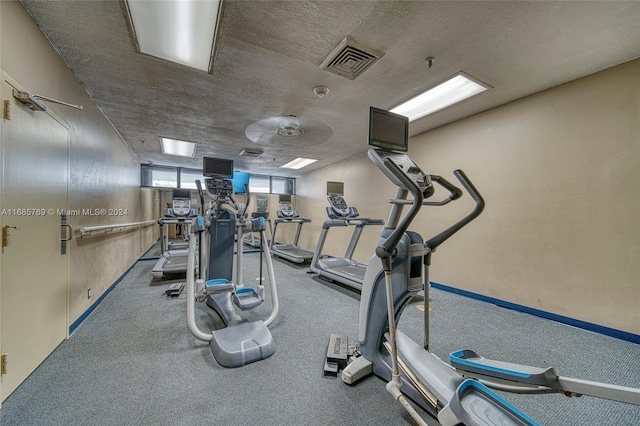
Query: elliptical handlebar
x,y
386,249
201,194
433,242
454,191
404,172
248,201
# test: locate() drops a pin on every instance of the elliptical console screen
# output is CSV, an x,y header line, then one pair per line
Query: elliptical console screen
x,y
217,167
388,131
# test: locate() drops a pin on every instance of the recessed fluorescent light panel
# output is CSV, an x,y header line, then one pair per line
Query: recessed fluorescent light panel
x,y
178,147
182,31
454,90
299,163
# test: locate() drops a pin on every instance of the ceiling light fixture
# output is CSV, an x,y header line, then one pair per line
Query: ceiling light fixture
x,y
178,147
456,89
299,163
179,31
290,126
321,91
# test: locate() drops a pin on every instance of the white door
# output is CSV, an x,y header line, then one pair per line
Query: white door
x,y
34,272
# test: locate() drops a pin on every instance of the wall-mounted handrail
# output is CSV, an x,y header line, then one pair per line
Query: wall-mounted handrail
x,y
87,231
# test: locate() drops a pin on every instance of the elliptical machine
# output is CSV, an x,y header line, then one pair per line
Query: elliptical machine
x,y
396,273
240,342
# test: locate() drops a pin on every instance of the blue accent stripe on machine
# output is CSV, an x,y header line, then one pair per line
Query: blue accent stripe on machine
x,y
456,357
216,281
596,328
470,383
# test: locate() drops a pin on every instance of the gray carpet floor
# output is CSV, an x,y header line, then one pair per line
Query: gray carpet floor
x,y
133,361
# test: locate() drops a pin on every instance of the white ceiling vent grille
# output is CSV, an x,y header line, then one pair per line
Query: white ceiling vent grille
x,y
350,59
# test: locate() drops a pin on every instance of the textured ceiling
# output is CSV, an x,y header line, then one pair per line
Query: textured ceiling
x,y
270,52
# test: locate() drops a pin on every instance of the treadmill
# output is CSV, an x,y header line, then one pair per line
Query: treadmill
x,y
173,260
291,252
344,269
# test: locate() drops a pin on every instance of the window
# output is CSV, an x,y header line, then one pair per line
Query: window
x,y
167,177
259,184
160,177
282,185
188,178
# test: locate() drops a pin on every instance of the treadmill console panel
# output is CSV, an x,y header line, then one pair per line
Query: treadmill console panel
x,y
181,207
286,210
338,205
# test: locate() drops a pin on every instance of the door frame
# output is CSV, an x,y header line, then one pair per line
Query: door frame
x,y
6,78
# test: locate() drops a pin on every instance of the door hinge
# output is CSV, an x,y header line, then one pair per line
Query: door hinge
x,y
3,365
6,110
6,236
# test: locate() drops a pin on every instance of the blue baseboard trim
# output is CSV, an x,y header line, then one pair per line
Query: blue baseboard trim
x,y
595,328
95,304
149,249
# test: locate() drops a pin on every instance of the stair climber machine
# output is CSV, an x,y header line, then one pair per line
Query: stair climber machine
x,y
240,342
291,252
173,260
395,274
341,269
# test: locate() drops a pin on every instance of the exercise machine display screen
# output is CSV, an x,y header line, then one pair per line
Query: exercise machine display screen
x,y
388,131
182,194
338,204
217,167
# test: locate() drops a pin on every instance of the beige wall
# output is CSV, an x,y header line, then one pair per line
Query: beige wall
x,y
364,188
103,171
559,171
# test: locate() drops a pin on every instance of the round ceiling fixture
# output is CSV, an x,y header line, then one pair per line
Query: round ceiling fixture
x,y
288,130
321,91
290,127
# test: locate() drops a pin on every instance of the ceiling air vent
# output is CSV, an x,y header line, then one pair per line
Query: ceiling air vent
x,y
251,152
350,59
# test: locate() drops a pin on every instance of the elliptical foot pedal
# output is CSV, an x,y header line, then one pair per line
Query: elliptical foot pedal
x,y
474,403
246,298
336,354
218,285
468,361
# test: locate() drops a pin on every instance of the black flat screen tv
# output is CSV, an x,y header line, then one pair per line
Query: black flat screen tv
x,y
388,131
217,167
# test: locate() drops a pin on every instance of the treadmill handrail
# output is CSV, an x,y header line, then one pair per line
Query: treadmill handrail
x,y
329,223
365,221
292,220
